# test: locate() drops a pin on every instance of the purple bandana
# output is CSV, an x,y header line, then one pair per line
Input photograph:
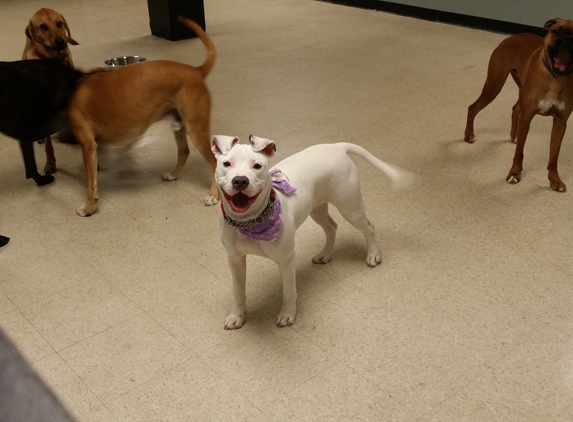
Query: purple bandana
x,y
267,225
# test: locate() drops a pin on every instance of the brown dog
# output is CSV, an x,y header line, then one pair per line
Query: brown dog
x,y
47,37
116,107
541,68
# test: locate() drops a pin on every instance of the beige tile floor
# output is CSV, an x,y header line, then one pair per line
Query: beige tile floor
x,y
469,318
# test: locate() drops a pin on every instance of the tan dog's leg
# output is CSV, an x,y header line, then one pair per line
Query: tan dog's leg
x,y
557,133
182,154
197,122
89,150
203,145
50,166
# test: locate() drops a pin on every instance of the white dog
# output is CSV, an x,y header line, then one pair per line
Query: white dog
x,y
261,210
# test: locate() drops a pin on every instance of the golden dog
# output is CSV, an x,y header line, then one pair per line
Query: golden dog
x,y
47,37
116,107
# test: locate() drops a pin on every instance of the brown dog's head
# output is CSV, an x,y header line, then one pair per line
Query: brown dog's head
x,y
558,34
49,29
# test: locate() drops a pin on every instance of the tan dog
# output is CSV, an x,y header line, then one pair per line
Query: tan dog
x,y
541,68
47,37
116,107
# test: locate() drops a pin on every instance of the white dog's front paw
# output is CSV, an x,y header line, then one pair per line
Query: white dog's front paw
x,y
210,201
234,321
286,318
169,177
321,259
373,260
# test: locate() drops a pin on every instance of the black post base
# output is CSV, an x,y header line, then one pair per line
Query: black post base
x,y
163,16
4,240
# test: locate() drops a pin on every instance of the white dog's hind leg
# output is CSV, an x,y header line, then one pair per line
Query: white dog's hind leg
x,y
288,274
238,267
321,216
352,209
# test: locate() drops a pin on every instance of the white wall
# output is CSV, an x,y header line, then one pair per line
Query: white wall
x,y
526,12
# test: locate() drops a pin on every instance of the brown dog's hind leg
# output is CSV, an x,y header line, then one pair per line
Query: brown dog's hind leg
x,y
197,122
515,109
202,142
182,154
496,76
50,166
89,151
514,120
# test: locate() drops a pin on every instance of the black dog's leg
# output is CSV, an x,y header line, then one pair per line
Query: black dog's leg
x,y
4,240
30,164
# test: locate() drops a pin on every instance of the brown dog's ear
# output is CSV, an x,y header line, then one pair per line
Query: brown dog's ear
x,y
70,39
30,31
548,25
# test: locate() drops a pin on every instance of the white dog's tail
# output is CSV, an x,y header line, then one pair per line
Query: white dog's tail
x,y
399,177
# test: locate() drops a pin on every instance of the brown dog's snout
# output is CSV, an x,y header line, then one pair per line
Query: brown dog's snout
x,y
240,182
59,43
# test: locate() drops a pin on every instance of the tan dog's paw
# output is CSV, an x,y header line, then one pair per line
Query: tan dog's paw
x,y
470,139
211,200
234,321
50,168
85,211
169,177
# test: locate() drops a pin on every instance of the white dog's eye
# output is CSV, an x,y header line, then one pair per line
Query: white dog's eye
x,y
227,164
257,166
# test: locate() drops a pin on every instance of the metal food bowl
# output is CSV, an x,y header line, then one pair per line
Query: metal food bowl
x,y
117,62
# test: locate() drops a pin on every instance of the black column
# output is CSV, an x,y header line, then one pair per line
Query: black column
x,y
163,16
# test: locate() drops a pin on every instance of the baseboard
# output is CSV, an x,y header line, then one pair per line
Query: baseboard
x,y
440,16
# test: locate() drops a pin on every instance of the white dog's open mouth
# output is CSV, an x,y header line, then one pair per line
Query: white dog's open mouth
x,y
240,202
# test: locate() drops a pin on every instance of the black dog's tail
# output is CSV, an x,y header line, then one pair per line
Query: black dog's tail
x,y
209,46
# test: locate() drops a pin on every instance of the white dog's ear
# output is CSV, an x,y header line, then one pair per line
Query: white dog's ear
x,y
222,144
266,146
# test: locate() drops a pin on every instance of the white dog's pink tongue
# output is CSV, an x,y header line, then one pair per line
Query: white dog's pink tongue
x,y
561,60
240,202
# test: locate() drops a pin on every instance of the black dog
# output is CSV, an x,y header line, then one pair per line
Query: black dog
x,y
34,97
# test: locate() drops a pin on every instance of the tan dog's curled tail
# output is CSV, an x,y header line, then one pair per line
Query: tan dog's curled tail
x,y
205,68
399,177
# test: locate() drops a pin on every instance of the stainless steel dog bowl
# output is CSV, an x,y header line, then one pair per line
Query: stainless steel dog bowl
x,y
116,62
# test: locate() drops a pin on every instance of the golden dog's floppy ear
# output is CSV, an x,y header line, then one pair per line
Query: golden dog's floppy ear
x,y
548,25
30,31
70,39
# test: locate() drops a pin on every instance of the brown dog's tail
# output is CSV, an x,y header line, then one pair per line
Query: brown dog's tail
x,y
209,46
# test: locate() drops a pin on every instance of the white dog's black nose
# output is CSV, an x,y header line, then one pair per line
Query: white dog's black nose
x,y
240,182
